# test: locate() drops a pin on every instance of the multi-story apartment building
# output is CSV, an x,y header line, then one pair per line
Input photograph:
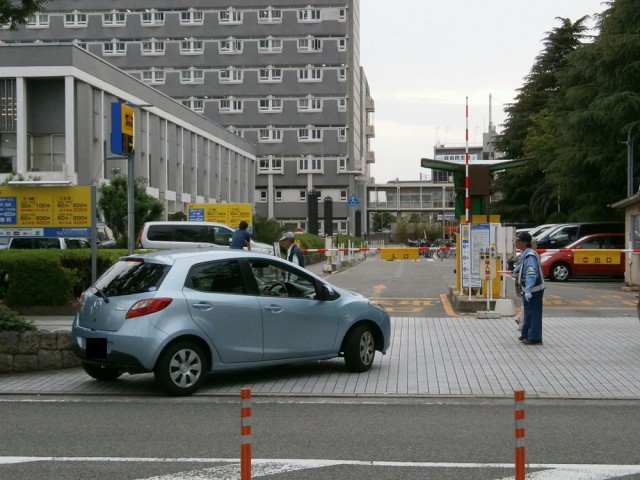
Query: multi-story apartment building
x,y
284,76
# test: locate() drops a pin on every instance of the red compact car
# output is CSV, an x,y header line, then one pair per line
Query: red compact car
x,y
565,264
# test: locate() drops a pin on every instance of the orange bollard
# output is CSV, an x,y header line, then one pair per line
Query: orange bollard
x,y
245,432
520,433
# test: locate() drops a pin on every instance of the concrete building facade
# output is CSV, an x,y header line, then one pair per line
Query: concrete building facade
x,y
55,125
284,76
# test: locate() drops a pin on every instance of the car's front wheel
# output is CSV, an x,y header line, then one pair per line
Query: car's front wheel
x,y
181,368
106,374
359,349
560,272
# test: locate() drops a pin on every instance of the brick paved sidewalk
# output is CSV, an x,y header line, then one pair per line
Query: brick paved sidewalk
x,y
593,358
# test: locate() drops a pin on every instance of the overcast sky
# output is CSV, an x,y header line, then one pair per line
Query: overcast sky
x,y
423,57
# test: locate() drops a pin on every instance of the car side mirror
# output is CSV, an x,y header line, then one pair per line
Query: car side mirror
x,y
326,292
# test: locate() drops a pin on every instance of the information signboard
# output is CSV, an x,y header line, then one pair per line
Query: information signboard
x,y
45,211
228,213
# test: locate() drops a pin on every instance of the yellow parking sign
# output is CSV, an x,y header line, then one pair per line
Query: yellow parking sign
x,y
605,256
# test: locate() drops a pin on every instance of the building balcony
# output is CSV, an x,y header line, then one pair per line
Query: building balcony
x,y
370,105
371,157
370,131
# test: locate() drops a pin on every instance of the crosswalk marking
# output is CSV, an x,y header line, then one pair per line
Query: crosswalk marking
x,y
230,467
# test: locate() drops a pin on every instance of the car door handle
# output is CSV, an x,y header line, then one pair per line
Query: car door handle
x,y
203,306
274,308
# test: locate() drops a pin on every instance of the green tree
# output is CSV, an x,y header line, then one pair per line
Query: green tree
x,y
526,132
14,13
113,205
600,105
266,230
382,221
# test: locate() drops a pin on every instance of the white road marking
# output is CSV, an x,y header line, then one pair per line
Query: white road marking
x,y
262,467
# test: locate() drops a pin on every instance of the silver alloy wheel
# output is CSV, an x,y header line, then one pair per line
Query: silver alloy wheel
x,y
367,348
560,272
185,368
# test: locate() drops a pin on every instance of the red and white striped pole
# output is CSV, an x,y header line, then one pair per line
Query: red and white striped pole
x,y
245,432
466,164
520,450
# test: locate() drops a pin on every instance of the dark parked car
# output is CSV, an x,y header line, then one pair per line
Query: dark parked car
x,y
566,233
185,313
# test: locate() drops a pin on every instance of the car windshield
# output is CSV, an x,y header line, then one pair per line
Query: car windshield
x,y
128,277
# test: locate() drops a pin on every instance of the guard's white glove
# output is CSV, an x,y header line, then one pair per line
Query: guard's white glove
x,y
527,296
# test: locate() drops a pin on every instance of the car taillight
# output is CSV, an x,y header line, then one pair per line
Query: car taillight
x,y
145,307
80,302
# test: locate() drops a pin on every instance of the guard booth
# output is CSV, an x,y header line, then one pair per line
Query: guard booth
x,y
481,241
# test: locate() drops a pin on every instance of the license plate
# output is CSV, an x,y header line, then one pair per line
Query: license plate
x,y
96,348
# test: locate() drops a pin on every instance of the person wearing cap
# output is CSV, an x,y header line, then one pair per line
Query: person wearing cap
x,y
531,279
294,255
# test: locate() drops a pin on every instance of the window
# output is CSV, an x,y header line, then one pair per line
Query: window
x,y
309,134
342,15
270,15
217,277
153,77
231,106
342,134
191,17
152,18
114,19
270,74
47,153
231,75
302,196
342,164
268,277
309,44
230,17
153,47
194,104
270,45
342,74
342,44
230,47
114,48
192,76
342,104
343,195
270,164
270,135
75,20
270,105
309,104
262,196
278,195
309,165
191,47
310,74
236,131
39,20
309,15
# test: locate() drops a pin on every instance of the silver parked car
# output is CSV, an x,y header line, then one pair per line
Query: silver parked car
x,y
185,313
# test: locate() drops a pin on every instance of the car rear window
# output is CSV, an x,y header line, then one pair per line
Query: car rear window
x,y
128,277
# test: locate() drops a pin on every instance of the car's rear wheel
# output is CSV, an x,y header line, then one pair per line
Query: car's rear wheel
x,y
560,272
181,368
106,374
359,349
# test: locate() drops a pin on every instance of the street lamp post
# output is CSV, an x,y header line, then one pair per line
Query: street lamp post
x,y
629,163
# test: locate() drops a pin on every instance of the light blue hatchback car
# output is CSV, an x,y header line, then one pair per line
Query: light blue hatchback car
x,y
185,313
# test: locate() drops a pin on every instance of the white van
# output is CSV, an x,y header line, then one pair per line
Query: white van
x,y
171,235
